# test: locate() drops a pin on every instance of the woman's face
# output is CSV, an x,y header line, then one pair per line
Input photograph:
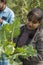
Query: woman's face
x,y
31,25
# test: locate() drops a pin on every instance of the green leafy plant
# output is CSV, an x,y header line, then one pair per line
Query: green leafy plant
x,y
7,46
7,33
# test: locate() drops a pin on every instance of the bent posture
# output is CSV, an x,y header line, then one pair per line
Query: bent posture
x,y
32,33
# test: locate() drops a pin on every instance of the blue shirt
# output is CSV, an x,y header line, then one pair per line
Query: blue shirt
x,y
7,16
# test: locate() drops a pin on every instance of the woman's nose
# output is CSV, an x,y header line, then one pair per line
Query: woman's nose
x,y
30,24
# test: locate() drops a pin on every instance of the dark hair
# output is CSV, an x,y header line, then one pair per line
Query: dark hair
x,y
35,14
3,1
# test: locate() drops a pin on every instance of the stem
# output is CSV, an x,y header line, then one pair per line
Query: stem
x,y
5,36
12,34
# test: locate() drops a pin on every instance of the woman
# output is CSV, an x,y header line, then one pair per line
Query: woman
x,y
32,33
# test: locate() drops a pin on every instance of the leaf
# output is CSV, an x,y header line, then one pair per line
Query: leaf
x,y
9,49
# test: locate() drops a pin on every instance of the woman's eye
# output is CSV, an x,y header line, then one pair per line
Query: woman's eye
x,y
34,22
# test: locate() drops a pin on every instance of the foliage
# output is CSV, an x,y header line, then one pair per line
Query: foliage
x,y
22,7
7,46
26,51
7,33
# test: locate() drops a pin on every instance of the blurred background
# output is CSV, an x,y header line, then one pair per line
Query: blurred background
x,y
22,7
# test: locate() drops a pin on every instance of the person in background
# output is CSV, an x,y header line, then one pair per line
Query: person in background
x,y
6,17
32,33
6,14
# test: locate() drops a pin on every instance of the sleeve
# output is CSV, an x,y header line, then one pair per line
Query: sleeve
x,y
9,20
39,47
11,17
4,22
